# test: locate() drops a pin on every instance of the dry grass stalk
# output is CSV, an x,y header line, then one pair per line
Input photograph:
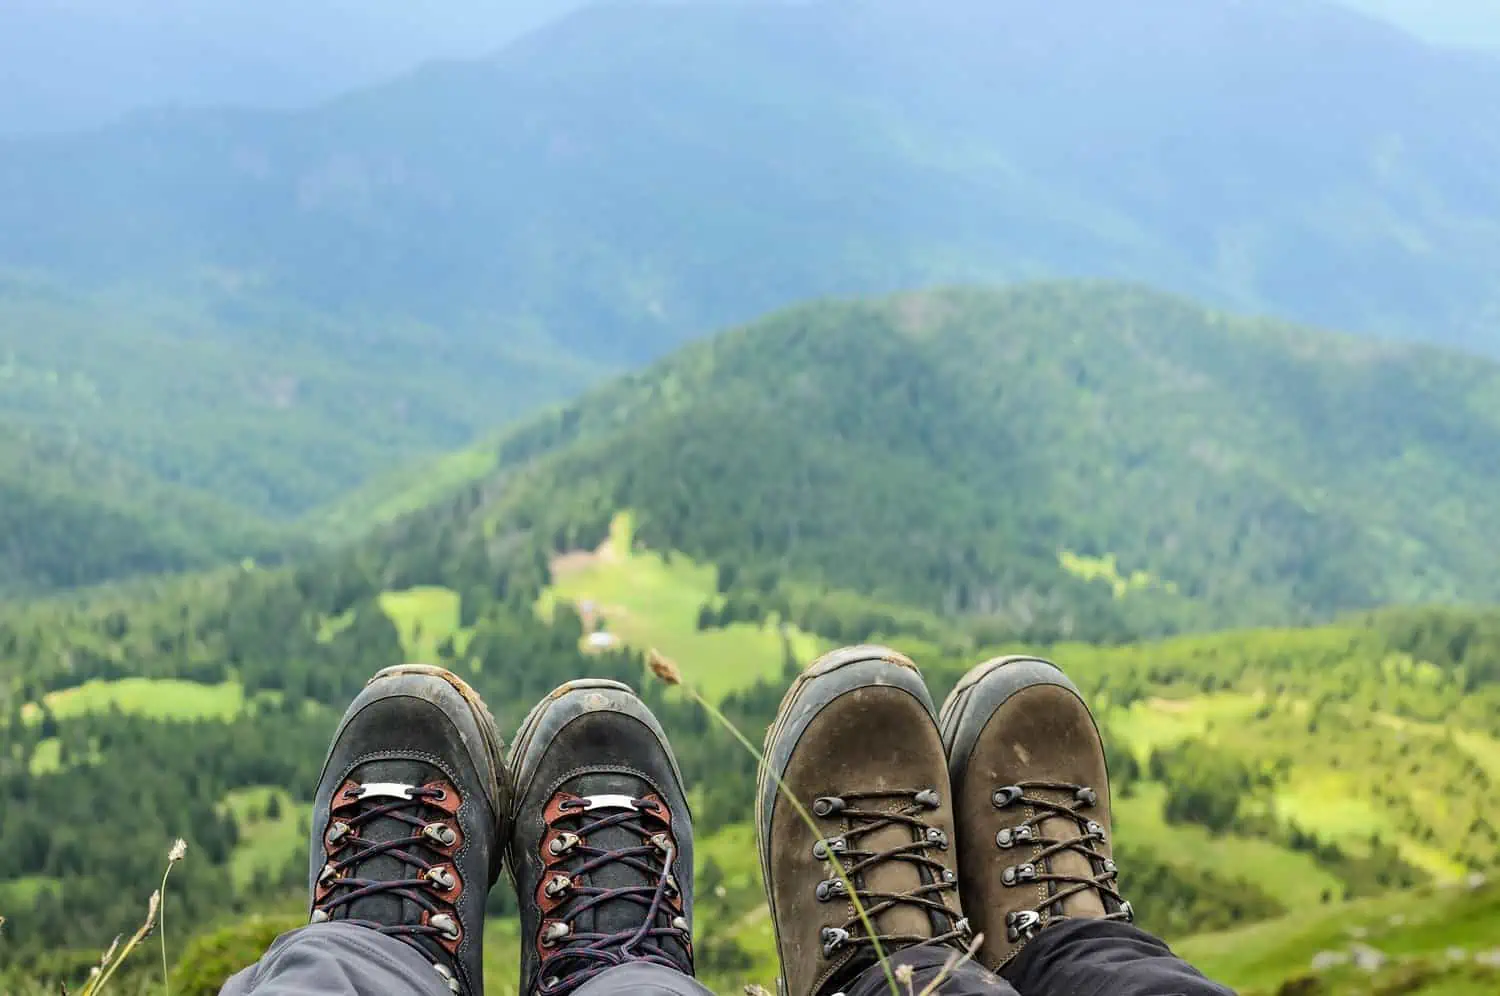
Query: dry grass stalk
x,y
111,961
667,670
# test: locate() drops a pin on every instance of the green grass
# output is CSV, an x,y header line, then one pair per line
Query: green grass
x,y
153,698
20,894
1106,569
47,759
425,618
265,844
1426,923
647,600
1293,879
1333,806
1159,723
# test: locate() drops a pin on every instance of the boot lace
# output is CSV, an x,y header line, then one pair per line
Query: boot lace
x,y
863,821
580,956
1024,923
356,807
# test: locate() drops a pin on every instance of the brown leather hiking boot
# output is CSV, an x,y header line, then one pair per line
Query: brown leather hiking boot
x,y
856,743
1031,796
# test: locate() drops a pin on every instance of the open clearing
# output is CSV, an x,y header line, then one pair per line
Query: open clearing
x,y
425,618
649,601
267,842
1291,878
153,698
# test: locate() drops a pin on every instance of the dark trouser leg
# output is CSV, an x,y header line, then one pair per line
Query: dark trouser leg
x,y
338,959
1104,958
969,979
643,978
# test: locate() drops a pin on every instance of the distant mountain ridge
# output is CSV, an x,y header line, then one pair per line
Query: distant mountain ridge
x,y
457,247
635,174
1068,455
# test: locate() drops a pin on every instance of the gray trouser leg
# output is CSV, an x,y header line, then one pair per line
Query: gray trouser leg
x,y
643,977
337,959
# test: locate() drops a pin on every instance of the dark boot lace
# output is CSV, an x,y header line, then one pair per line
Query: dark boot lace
x,y
1024,923
358,807
862,823
581,956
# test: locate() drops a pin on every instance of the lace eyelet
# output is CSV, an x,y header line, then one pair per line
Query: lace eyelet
x,y
1013,836
836,845
1006,796
1018,874
828,805
563,843
1022,924
442,833
445,923
833,938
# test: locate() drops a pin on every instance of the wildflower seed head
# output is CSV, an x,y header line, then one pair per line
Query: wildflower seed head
x,y
664,667
178,852
903,974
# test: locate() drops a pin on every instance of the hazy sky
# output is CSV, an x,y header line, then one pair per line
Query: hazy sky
x,y
65,63
72,63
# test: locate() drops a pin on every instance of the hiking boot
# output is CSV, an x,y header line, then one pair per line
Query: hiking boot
x,y
408,824
602,850
1031,794
857,744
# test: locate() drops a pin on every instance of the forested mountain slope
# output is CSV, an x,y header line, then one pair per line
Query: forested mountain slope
x,y
71,516
1056,457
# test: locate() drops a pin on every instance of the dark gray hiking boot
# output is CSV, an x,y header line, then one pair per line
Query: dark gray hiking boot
x,y
409,821
857,744
1031,795
602,848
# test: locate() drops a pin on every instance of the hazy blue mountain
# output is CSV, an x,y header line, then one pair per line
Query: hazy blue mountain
x,y
84,62
487,234
633,175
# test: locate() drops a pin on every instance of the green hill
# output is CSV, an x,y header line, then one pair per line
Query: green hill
x,y
265,405
70,516
960,473
1065,459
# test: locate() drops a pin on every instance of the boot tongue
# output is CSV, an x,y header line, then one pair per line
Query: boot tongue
x,y
894,877
613,916
1088,903
888,877
388,907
